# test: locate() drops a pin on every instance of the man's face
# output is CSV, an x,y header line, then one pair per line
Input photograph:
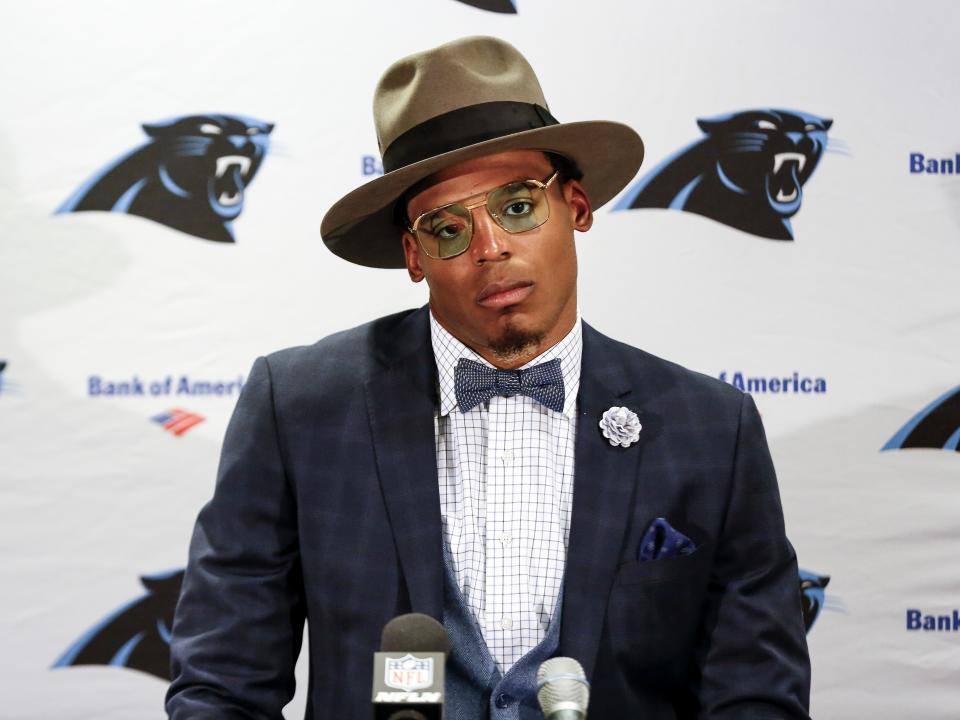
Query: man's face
x,y
508,296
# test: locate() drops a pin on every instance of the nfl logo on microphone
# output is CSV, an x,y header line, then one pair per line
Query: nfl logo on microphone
x,y
408,673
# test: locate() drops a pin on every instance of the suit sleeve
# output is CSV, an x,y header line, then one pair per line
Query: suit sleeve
x,y
753,656
239,622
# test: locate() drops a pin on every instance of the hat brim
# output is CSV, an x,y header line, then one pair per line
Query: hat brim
x,y
360,227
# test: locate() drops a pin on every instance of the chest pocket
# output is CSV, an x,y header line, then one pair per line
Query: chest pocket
x,y
655,609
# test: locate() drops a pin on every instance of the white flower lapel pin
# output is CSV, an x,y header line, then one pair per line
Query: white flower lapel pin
x,y
621,426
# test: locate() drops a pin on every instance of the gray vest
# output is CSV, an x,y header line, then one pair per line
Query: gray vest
x,y
475,688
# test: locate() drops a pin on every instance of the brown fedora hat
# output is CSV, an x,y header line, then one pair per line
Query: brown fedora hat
x,y
468,98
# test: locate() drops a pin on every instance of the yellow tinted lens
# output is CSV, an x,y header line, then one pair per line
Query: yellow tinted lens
x,y
445,232
519,207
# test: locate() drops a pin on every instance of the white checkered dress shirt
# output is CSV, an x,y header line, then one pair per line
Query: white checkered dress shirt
x,y
506,494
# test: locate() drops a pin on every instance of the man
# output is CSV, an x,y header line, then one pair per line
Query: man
x,y
490,460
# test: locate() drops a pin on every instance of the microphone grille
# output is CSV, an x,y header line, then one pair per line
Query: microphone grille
x,y
414,632
562,685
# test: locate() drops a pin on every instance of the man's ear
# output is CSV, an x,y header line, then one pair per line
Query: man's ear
x,y
581,214
411,254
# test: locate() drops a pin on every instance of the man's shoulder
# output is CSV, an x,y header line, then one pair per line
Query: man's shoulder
x,y
664,379
344,356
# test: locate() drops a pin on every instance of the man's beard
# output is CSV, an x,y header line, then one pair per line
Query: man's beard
x,y
514,343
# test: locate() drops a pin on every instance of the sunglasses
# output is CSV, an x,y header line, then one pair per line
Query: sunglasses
x,y
518,206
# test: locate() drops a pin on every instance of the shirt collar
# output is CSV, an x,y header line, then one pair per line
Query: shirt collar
x,y
447,350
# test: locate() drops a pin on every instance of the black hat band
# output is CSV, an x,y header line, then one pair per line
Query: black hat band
x,y
463,127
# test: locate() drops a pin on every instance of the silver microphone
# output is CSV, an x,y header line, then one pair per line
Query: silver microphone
x,y
562,689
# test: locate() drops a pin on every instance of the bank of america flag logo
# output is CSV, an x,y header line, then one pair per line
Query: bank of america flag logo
x,y
178,421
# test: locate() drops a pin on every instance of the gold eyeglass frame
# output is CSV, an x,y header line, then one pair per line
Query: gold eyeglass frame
x,y
470,207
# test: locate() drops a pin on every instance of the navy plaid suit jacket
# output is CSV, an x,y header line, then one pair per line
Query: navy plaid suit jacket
x,y
327,507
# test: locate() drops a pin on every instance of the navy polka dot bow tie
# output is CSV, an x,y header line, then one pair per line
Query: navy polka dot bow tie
x,y
475,383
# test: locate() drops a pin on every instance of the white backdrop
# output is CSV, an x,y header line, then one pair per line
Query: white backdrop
x,y
94,494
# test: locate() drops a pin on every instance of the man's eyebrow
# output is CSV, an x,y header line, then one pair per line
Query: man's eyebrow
x,y
516,179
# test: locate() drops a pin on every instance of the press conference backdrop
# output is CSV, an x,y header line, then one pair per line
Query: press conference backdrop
x,y
793,231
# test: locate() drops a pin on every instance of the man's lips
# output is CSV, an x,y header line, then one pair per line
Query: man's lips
x,y
502,294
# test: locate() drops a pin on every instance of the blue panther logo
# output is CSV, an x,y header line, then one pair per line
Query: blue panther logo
x,y
5,385
812,596
937,426
190,175
497,6
137,635
748,172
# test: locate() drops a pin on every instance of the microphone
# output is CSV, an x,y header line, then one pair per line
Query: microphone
x,y
408,672
562,689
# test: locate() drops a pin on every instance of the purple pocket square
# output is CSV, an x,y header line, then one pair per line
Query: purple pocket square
x,y
662,541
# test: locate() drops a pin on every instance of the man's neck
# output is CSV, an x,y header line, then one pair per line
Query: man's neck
x,y
522,355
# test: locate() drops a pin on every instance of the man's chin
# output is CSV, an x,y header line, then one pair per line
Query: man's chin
x,y
515,341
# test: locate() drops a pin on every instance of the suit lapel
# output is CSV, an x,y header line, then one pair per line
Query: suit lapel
x,y
401,401
605,479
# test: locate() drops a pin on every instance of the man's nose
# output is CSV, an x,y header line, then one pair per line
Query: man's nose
x,y
490,241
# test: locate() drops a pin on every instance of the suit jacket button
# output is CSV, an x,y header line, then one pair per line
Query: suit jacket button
x,y
503,700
